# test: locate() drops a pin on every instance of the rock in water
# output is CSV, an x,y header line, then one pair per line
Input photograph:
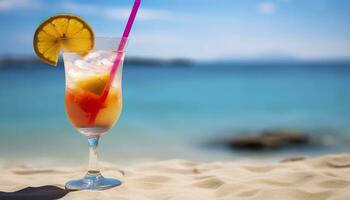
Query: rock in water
x,y
273,139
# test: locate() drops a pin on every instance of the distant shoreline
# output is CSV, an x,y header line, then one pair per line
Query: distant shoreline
x,y
134,61
25,62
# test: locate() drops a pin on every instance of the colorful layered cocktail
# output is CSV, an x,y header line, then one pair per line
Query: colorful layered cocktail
x,y
91,109
83,102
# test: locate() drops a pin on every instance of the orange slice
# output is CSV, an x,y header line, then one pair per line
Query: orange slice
x,y
94,83
62,32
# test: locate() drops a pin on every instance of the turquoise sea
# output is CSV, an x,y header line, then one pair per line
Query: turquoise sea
x,y
171,111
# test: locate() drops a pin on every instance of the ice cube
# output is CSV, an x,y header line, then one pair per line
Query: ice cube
x,y
106,62
92,56
112,58
81,64
72,73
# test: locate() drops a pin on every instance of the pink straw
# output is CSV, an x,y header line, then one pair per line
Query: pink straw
x,y
118,58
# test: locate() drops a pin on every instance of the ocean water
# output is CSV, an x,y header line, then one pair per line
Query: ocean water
x,y
171,111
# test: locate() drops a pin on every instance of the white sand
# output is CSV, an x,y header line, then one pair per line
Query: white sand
x,y
325,178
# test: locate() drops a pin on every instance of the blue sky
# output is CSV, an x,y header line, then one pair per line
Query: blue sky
x,y
198,29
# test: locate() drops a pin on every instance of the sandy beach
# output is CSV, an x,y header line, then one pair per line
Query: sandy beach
x,y
322,178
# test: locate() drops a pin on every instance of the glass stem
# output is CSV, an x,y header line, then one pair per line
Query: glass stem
x,y
93,157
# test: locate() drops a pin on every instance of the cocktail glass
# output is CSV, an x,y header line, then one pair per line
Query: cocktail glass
x,y
86,77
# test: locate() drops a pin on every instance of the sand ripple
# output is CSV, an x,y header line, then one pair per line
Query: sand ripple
x,y
324,178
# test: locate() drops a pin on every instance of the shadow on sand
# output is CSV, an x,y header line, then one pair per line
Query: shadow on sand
x,y
47,192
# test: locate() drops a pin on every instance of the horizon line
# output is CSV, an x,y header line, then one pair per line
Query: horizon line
x,y
12,57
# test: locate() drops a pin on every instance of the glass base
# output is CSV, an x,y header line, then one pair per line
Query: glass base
x,y
92,181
